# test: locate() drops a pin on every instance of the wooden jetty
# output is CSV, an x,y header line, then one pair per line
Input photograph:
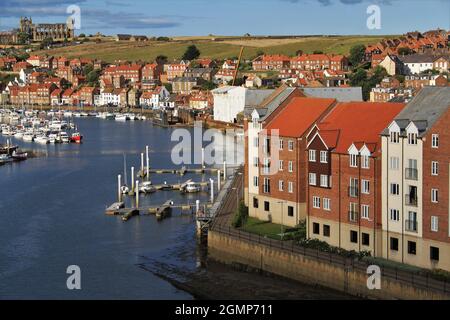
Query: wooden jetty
x,y
181,172
115,207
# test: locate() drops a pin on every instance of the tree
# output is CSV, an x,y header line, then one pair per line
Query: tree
x,y
259,53
209,85
87,69
161,59
191,53
46,43
298,52
357,54
22,38
82,35
92,77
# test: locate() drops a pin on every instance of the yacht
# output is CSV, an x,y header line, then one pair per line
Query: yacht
x,y
64,137
192,187
147,187
29,137
42,140
121,117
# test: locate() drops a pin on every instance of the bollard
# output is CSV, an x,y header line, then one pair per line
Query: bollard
x,y
119,185
197,206
148,163
218,181
142,164
224,170
212,190
137,194
203,158
132,179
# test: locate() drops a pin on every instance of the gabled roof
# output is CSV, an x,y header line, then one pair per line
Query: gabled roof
x,y
299,115
357,122
424,109
340,94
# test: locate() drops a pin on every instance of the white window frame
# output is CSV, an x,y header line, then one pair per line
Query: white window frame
x,y
365,186
326,204
353,160
365,211
324,180
435,195
312,155
323,156
266,185
434,168
412,139
280,165
290,187
365,162
312,179
394,215
316,202
290,145
291,166
255,181
281,144
394,137
435,141
281,185
394,163
391,189
434,224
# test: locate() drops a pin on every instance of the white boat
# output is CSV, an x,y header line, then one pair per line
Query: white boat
x,y
29,137
84,114
4,158
18,135
8,132
42,140
192,187
121,117
64,137
77,114
56,125
52,138
147,187
68,114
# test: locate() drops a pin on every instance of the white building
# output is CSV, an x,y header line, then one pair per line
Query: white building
x,y
417,63
230,101
110,97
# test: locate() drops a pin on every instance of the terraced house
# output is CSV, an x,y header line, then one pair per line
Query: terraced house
x,y
344,175
415,176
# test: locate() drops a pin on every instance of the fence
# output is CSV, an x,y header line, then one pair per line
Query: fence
x,y
419,281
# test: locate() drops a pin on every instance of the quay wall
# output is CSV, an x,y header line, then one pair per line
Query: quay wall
x,y
250,254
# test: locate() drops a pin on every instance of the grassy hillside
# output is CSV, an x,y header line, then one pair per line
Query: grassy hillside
x,y
111,50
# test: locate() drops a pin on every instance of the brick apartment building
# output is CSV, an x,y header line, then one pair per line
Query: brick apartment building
x,y
271,62
344,175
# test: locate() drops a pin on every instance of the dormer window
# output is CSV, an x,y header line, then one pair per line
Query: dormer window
x,y
353,160
395,137
412,138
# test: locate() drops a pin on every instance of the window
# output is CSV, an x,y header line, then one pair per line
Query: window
x,y
256,162
395,137
353,236
266,206
324,180
326,230
353,160
434,224
291,187
365,162
256,142
312,155
316,228
312,179
255,181
394,244
281,144
365,239
266,186
266,146
395,189
434,168
434,195
353,189
266,166
434,253
291,166
280,165
316,202
326,204
323,156
365,211
291,145
395,215
255,203
394,163
365,186
412,138
412,247
290,211
435,141
281,185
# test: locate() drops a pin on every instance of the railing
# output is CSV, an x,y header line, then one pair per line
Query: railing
x,y
411,174
353,216
353,191
410,201
417,280
411,225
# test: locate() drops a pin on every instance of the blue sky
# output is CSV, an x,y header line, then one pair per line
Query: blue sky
x,y
233,17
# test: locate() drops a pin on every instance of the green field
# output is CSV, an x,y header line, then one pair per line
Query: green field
x,y
148,51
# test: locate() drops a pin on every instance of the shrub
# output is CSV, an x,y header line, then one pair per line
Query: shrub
x,y
240,217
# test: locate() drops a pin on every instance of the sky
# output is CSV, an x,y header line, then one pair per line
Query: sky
x,y
232,17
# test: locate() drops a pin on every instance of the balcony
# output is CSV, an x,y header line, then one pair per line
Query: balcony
x,y
411,225
353,192
353,216
410,201
411,174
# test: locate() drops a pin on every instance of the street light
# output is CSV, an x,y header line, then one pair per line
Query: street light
x,y
282,226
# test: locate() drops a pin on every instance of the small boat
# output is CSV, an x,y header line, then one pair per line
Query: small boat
x,y
18,135
76,137
5,158
77,114
52,137
147,187
121,117
64,137
84,114
42,140
192,187
19,156
166,186
68,114
29,137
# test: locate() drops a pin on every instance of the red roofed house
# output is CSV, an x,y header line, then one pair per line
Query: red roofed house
x,y
86,95
21,65
35,61
271,62
282,177
344,175
151,71
55,97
